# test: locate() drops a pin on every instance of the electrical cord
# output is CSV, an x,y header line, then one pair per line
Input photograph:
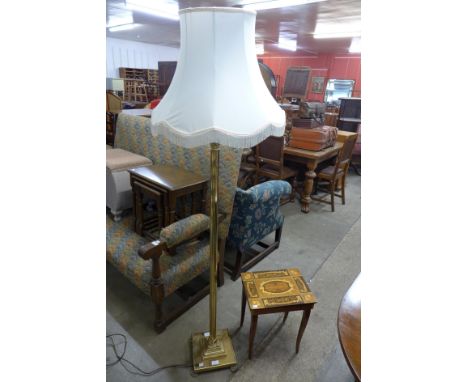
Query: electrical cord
x,y
125,362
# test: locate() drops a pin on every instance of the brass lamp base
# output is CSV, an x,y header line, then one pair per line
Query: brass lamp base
x,y
211,356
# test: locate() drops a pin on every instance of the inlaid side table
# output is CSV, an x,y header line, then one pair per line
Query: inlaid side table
x,y
274,292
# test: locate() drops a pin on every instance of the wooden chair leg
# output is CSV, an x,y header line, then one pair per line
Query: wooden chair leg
x,y
332,192
159,325
157,295
278,233
237,268
293,191
343,190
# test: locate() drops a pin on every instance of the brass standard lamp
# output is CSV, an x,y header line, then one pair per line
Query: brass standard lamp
x,y
217,97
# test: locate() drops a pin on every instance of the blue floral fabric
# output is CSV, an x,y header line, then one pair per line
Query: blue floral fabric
x,y
256,212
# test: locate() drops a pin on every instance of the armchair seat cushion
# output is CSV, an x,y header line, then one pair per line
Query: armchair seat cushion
x,y
122,244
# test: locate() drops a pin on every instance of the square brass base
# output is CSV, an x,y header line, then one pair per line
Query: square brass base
x,y
204,361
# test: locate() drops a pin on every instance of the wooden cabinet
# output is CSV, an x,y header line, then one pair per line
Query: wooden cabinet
x,y
166,70
349,116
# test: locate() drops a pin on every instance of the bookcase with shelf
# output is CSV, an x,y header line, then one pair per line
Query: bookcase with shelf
x,y
140,84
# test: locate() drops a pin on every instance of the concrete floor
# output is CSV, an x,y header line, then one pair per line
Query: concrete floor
x,y
326,247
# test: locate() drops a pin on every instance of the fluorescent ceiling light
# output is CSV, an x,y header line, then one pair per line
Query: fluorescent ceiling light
x,y
337,29
271,4
286,43
161,8
259,48
121,19
337,34
355,45
124,27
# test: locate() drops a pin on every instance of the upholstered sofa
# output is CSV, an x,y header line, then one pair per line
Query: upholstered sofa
x,y
161,267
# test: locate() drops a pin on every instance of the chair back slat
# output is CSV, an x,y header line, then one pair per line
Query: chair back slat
x,y
344,156
271,151
347,151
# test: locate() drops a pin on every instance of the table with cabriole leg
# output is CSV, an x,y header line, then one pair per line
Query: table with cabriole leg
x,y
280,291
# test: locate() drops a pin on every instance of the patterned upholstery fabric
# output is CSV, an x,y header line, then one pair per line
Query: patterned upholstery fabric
x,y
256,213
134,134
190,260
185,229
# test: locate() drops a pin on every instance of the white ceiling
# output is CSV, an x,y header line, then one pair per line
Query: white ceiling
x,y
301,20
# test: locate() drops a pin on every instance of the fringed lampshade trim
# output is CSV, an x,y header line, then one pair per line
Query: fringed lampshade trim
x,y
215,135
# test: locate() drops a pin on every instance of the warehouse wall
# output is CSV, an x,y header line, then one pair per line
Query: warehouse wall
x,y
339,66
132,54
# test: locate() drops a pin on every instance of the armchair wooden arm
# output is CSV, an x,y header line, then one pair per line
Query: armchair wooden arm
x,y
152,250
175,235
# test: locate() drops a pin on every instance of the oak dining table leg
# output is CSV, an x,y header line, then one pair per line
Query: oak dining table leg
x,y
244,302
308,186
305,319
253,329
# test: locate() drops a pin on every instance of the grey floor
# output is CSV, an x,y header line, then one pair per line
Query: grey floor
x,y
326,247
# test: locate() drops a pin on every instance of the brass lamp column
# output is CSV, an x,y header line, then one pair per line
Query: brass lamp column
x,y
218,97
213,350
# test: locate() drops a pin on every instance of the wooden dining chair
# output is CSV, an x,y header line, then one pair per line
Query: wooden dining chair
x,y
336,175
269,161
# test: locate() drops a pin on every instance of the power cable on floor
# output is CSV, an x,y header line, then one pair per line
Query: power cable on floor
x,y
125,362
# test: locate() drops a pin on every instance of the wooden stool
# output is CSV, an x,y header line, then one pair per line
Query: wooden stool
x,y
273,292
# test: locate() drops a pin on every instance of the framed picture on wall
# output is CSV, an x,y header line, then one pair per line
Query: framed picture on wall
x,y
317,84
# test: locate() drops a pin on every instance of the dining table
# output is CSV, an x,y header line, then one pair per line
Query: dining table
x,y
312,159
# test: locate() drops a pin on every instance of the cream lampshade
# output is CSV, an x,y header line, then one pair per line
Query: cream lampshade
x,y
217,96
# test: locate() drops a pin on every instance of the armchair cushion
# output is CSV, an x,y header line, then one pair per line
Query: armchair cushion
x,y
185,229
256,213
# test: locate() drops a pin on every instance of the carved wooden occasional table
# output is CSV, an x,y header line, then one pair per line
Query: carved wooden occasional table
x,y
273,292
164,184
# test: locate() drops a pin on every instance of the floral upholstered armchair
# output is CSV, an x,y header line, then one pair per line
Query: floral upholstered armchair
x,y
161,267
255,215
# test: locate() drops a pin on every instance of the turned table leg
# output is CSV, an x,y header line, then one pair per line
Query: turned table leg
x,y
308,186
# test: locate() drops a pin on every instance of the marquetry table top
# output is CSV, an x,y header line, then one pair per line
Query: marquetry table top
x,y
279,288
